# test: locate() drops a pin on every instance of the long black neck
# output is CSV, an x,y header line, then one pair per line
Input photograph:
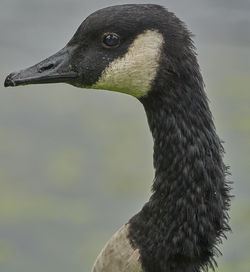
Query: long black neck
x,y
186,216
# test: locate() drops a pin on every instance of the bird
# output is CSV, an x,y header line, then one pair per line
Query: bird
x,y
147,52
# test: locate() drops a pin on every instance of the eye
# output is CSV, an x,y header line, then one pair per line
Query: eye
x,y
111,40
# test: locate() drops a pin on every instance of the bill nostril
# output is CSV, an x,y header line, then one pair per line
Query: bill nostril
x,y
46,67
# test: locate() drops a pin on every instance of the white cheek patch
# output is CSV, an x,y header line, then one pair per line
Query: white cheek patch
x,y
134,72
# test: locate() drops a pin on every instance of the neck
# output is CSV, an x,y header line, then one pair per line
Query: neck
x,y
178,229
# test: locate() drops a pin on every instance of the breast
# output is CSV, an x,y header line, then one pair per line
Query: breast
x,y
118,255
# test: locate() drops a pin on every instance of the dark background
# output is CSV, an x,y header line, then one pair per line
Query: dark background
x,y
77,164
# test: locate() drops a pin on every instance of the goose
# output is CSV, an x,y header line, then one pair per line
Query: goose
x,y
145,51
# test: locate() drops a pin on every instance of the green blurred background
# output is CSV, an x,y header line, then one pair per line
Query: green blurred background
x,y
76,164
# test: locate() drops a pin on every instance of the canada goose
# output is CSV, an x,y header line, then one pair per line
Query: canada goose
x,y
147,52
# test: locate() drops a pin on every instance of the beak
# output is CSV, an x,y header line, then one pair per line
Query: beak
x,y
57,68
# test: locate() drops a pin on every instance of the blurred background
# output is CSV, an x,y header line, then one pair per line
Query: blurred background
x,y
77,164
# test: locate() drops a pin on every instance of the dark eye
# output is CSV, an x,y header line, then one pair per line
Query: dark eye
x,y
111,40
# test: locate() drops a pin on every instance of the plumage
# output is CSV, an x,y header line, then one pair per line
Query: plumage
x,y
118,254
147,52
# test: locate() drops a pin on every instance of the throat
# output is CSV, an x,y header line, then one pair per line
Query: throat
x,y
179,227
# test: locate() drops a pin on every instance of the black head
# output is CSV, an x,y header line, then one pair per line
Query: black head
x,y
119,48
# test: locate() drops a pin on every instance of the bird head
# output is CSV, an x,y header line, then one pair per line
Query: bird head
x,y
119,48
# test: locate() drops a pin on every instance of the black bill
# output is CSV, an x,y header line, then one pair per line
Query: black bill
x,y
54,69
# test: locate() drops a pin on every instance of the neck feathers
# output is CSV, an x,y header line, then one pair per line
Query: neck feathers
x,y
186,216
